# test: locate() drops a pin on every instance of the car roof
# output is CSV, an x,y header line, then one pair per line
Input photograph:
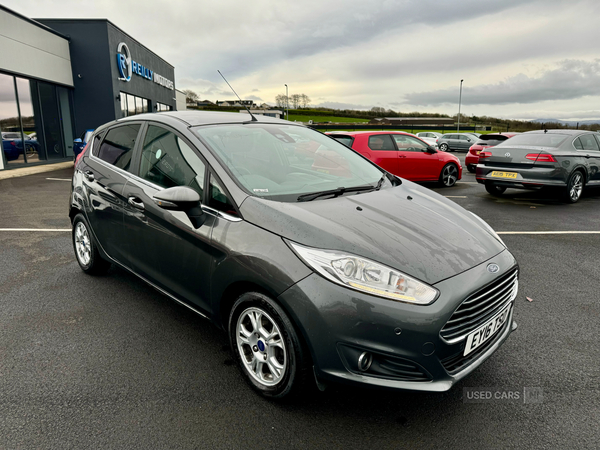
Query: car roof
x,y
355,133
559,131
198,118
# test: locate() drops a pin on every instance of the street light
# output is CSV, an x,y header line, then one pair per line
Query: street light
x,y
459,100
287,111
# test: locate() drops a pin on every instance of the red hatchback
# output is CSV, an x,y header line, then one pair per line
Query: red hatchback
x,y
485,141
404,155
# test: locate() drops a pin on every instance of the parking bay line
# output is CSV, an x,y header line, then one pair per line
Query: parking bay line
x,y
59,179
455,196
36,229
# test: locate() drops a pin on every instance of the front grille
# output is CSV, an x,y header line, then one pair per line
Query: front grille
x,y
480,307
457,362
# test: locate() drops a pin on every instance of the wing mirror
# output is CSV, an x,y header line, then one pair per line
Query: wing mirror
x,y
182,198
77,141
430,150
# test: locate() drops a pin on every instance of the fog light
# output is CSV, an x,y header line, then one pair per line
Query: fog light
x,y
364,361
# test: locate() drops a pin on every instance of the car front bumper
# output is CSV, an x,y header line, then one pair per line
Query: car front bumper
x,y
339,324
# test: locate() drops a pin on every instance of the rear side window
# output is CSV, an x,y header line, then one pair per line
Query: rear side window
x,y
381,142
168,161
117,146
586,142
450,136
346,140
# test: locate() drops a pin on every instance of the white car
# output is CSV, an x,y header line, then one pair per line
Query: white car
x,y
430,137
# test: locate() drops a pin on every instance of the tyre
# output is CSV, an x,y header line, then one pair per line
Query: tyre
x,y
494,189
86,249
269,352
471,168
449,175
444,147
574,187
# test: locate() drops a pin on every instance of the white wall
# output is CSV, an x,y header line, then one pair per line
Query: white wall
x,y
180,103
32,51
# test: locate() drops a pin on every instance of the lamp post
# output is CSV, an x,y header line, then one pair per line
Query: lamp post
x,y
459,100
287,101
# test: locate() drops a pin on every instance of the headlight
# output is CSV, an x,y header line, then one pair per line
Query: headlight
x,y
490,229
366,276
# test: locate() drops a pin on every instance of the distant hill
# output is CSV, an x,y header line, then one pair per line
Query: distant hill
x,y
570,123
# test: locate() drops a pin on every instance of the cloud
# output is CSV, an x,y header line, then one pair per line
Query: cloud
x,y
253,97
572,79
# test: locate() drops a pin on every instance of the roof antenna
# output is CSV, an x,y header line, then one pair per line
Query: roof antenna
x,y
251,115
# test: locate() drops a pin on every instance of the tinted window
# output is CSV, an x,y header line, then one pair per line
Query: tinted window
x,y
587,142
408,143
450,136
535,140
168,161
117,147
465,138
218,198
346,140
381,142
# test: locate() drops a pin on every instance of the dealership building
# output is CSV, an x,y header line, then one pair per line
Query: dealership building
x,y
61,77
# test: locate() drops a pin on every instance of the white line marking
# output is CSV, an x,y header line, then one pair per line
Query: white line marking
x,y
35,229
468,182
58,179
455,196
548,232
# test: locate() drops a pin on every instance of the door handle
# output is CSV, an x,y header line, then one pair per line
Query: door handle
x,y
136,202
89,175
401,156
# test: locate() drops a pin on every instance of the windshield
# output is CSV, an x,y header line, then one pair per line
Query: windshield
x,y
535,140
281,162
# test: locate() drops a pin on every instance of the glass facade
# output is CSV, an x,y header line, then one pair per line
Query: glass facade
x,y
35,121
131,105
163,107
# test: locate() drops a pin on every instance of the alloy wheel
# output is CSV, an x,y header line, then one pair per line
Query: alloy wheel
x,y
261,346
83,244
449,175
576,187
444,147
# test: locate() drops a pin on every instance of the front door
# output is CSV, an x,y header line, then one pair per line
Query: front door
x,y
165,247
414,160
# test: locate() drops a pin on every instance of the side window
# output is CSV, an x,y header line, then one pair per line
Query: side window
x,y
117,146
168,161
588,142
408,143
449,136
577,144
218,198
381,142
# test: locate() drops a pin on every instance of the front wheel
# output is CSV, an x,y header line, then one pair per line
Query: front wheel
x,y
270,354
444,147
494,189
574,187
449,175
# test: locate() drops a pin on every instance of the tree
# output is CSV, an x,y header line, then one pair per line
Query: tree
x,y
190,96
281,100
304,100
378,109
295,99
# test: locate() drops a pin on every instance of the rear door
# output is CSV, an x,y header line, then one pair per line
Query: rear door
x,y
465,142
414,161
104,175
383,152
452,141
166,248
591,148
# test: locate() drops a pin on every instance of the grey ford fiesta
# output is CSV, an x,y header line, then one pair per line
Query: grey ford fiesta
x,y
320,265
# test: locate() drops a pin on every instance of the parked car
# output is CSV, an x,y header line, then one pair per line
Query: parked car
x,y
404,155
485,141
12,145
565,159
473,133
360,277
456,141
80,143
430,137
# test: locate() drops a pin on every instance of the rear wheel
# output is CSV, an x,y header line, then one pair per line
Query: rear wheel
x,y
86,249
574,187
270,354
444,147
494,189
449,175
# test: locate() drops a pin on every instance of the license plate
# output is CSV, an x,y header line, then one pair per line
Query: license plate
x,y
485,332
477,153
496,174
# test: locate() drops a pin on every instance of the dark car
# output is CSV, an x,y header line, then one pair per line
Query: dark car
x,y
80,143
456,141
564,159
403,154
353,275
12,145
485,141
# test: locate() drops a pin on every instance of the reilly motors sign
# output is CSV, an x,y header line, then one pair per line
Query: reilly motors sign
x,y
128,67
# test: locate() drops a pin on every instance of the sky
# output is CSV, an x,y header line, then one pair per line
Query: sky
x,y
520,59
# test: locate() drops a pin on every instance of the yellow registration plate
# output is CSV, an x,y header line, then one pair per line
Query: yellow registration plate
x,y
497,174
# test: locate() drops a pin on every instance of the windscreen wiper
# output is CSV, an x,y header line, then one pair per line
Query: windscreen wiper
x,y
335,192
